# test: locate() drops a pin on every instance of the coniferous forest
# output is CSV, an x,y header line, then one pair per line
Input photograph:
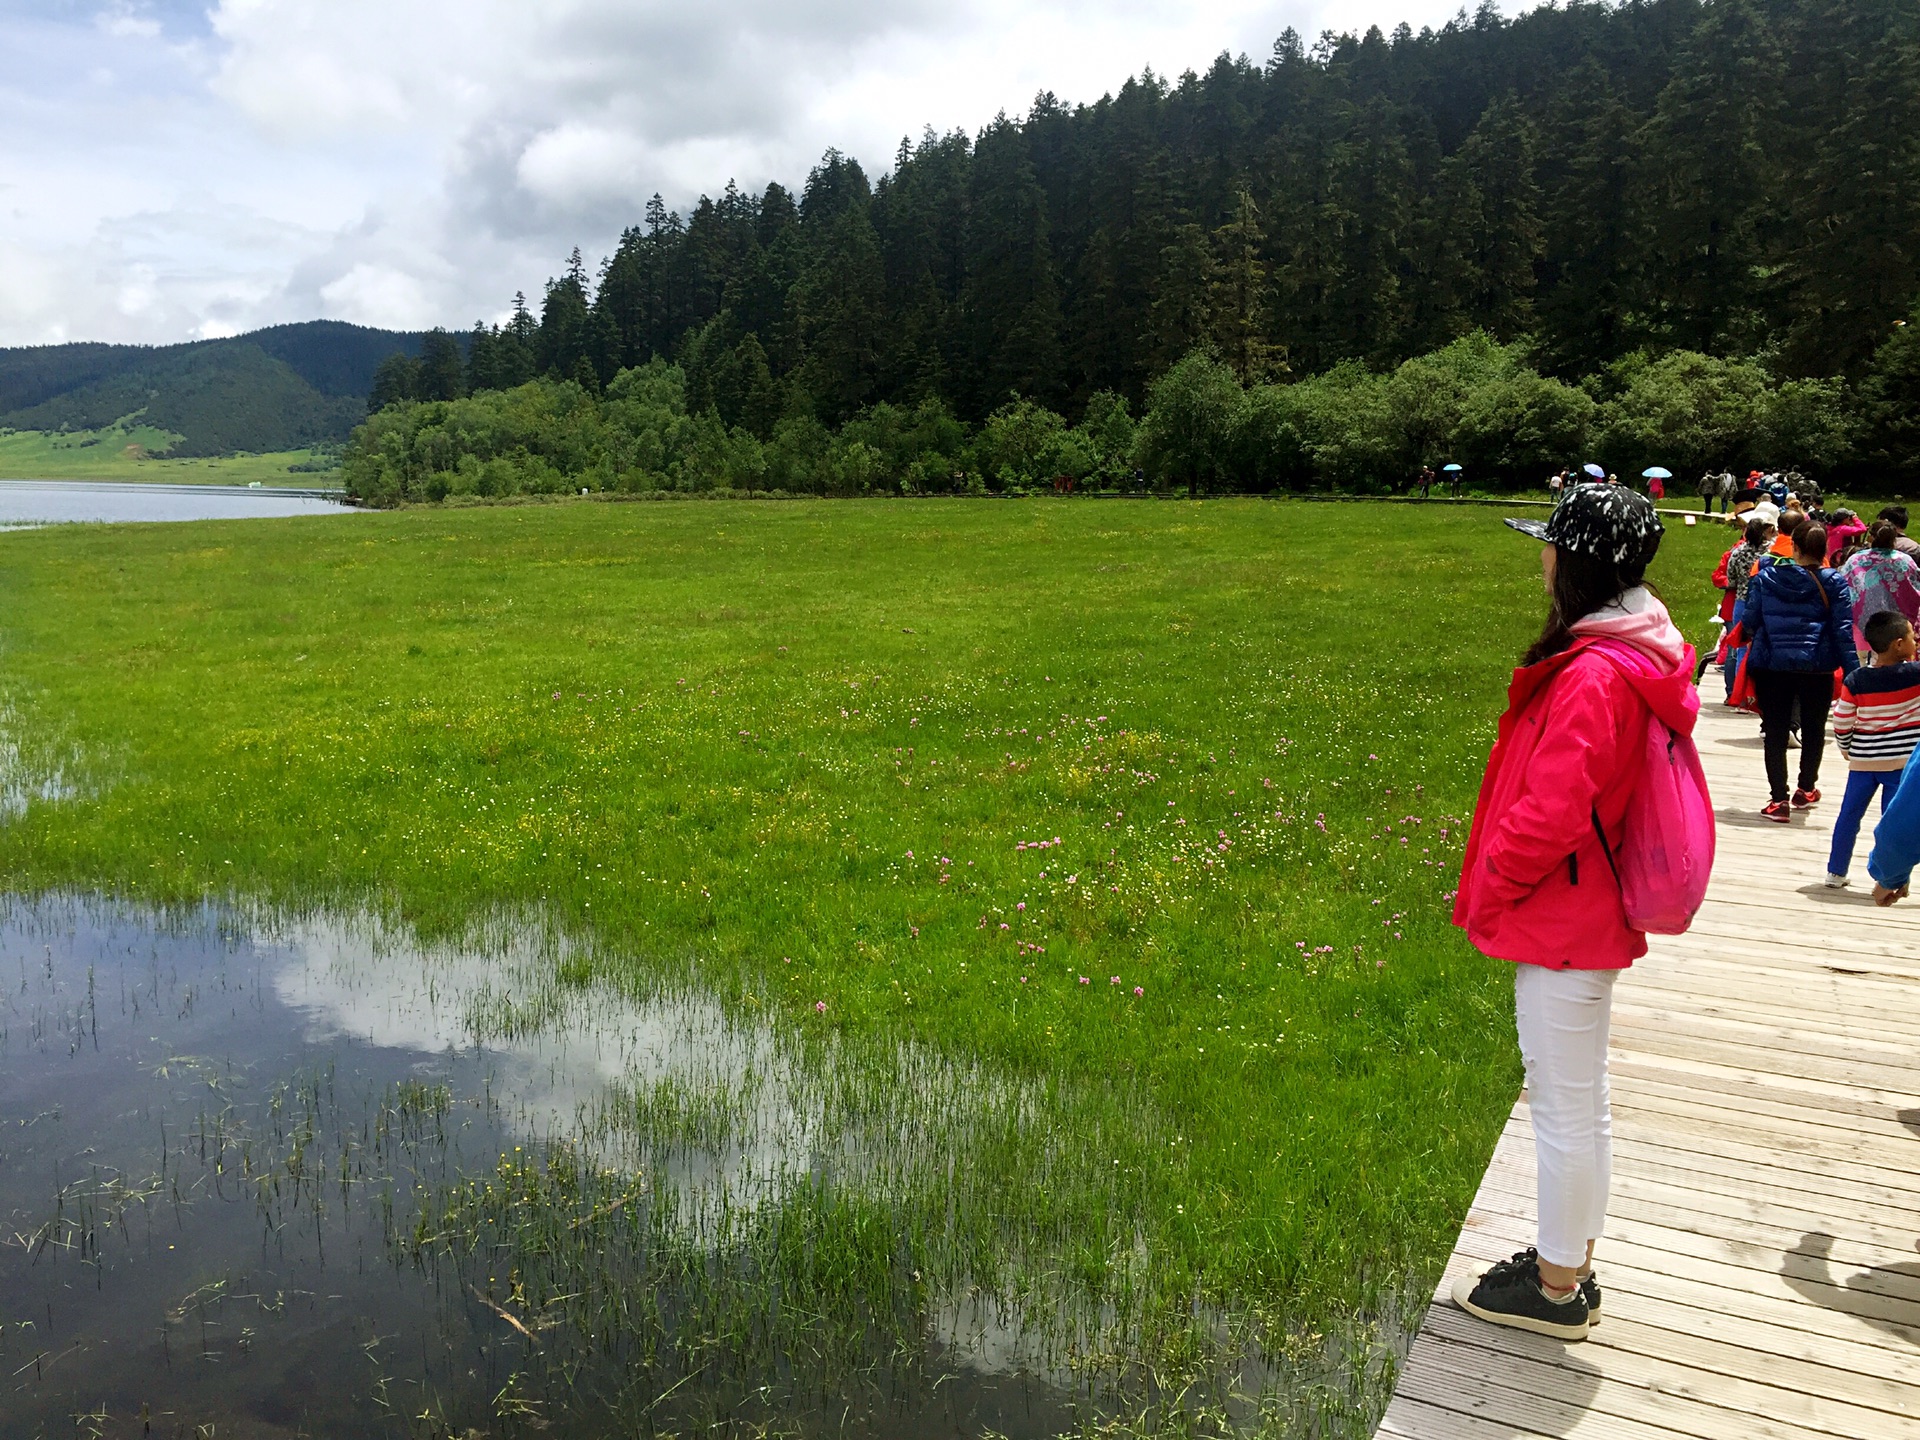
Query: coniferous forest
x,y
1683,232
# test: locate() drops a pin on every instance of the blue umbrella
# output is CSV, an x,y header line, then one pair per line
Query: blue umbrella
x,y
1449,467
1656,472
1595,471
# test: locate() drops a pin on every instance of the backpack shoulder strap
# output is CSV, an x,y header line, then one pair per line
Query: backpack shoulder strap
x,y
1600,830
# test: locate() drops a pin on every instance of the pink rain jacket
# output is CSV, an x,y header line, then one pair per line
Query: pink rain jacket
x,y
1536,887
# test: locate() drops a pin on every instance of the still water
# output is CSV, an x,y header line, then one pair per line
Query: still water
x,y
55,502
269,1178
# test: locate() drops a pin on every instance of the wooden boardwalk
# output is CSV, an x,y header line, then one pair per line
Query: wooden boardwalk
x,y
1760,1270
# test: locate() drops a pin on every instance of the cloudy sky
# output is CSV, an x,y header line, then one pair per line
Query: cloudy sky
x,y
178,168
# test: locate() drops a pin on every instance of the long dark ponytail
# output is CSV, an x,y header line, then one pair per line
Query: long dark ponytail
x,y
1583,584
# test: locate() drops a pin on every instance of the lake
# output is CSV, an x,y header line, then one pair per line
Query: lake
x,y
302,1175
55,502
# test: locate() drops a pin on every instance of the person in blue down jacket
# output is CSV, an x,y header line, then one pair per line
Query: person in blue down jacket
x,y
1799,621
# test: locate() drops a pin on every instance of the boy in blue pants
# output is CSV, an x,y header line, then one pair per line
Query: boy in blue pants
x,y
1876,724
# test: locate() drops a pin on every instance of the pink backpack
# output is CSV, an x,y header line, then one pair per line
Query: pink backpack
x,y
1666,854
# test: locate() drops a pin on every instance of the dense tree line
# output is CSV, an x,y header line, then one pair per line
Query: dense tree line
x,y
1603,185
1475,403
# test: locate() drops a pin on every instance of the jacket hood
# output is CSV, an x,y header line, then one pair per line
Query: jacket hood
x,y
1639,635
1638,619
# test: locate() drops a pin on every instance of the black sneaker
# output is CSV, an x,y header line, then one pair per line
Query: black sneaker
x,y
1510,1294
1589,1284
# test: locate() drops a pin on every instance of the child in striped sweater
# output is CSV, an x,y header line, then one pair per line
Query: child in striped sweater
x,y
1876,723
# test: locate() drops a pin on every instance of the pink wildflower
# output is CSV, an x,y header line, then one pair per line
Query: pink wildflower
x,y
1139,990
1085,981
820,1007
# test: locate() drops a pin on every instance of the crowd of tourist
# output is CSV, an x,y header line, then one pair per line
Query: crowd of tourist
x,y
1819,609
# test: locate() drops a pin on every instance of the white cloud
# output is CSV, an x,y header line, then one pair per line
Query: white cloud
x,y
379,295
404,162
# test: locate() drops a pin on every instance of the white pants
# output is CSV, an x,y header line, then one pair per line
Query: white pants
x,y
1562,1017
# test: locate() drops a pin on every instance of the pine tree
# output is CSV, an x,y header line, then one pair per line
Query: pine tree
x,y
395,381
840,307
1593,300
1500,216
483,358
1373,196
761,397
624,300
921,213
1181,315
1706,166
1854,112
563,320
1241,301
443,371
1011,303
515,356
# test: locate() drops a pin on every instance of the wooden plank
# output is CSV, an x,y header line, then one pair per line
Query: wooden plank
x,y
1693,1404
1656,1214
1720,933
1764,1380
1410,1419
1654,1087
1750,1091
1801,1088
1899,1084
1444,1374
1815,1150
1638,1155
1748,1005
1865,1044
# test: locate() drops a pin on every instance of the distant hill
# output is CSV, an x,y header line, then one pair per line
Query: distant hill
x,y
276,389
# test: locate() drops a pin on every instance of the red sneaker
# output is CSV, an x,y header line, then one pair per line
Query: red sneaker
x,y
1777,810
1803,798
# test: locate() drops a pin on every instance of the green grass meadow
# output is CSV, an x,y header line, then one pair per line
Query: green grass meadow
x,y
136,453
1153,807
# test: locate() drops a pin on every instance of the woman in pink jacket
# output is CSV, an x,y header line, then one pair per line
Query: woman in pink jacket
x,y
1538,885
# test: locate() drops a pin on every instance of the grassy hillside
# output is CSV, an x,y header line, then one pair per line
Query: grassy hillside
x,y
141,453
283,388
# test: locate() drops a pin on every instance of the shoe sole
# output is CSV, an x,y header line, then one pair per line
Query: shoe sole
x,y
1463,1297
1779,819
